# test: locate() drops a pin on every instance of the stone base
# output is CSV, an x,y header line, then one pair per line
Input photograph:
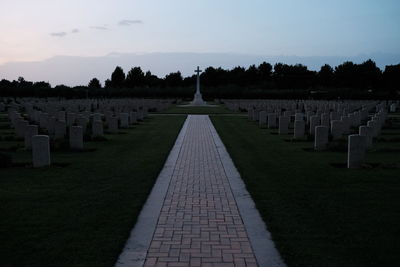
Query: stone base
x,y
198,100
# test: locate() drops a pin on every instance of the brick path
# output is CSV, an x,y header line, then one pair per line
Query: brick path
x,y
199,224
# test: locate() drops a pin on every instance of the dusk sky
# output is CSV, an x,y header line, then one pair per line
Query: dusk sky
x,y
39,29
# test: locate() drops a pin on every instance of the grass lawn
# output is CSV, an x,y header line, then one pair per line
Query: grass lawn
x,y
79,211
217,109
318,214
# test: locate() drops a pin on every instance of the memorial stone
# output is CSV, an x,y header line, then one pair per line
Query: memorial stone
x,y
321,138
356,150
40,151
76,137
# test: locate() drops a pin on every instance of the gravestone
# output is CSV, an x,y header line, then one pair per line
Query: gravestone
x,y
97,128
133,117
299,117
51,125
325,120
271,120
43,120
321,138
299,128
345,124
374,125
262,122
393,108
40,151
124,117
113,125
256,115
140,115
30,131
97,117
76,137
71,117
60,129
356,150
61,116
82,121
368,133
314,122
20,127
284,124
336,129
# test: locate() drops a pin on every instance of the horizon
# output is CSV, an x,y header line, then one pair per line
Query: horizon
x,y
257,29
82,69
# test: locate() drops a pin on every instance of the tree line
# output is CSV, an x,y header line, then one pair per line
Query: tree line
x,y
347,80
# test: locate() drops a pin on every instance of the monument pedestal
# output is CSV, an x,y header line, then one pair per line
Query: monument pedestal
x,y
198,100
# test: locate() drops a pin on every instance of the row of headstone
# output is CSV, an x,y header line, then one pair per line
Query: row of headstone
x,y
53,105
322,119
29,121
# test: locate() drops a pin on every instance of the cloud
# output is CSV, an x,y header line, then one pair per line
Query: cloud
x,y
58,34
129,22
75,30
102,28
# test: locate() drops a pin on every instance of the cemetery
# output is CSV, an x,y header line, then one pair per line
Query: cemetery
x,y
199,133
313,168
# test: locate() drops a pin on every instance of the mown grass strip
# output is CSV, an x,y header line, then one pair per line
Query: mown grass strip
x,y
319,214
79,212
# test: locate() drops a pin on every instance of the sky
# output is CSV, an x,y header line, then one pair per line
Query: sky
x,y
39,29
35,30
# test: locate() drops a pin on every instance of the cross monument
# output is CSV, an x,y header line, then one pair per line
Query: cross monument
x,y
198,99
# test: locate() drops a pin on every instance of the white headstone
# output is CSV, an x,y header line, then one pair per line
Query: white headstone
x,y
97,128
336,129
368,132
314,122
31,130
133,117
356,150
284,124
76,137
113,125
271,120
321,137
299,128
60,129
124,117
262,119
40,151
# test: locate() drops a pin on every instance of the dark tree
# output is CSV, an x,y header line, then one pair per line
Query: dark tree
x,y
173,79
391,77
252,75
265,71
94,83
135,77
118,77
325,76
369,75
151,80
345,75
107,83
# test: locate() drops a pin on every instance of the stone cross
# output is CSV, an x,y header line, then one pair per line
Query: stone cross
x,y
198,71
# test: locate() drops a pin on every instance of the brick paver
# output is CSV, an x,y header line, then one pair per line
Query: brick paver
x,y
199,224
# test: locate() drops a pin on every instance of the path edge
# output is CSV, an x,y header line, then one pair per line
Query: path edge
x,y
260,238
136,247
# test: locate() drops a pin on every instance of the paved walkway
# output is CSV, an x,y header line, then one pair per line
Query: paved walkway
x,y
198,222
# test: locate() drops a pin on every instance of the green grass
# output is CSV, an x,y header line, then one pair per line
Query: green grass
x,y
218,109
319,215
81,214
